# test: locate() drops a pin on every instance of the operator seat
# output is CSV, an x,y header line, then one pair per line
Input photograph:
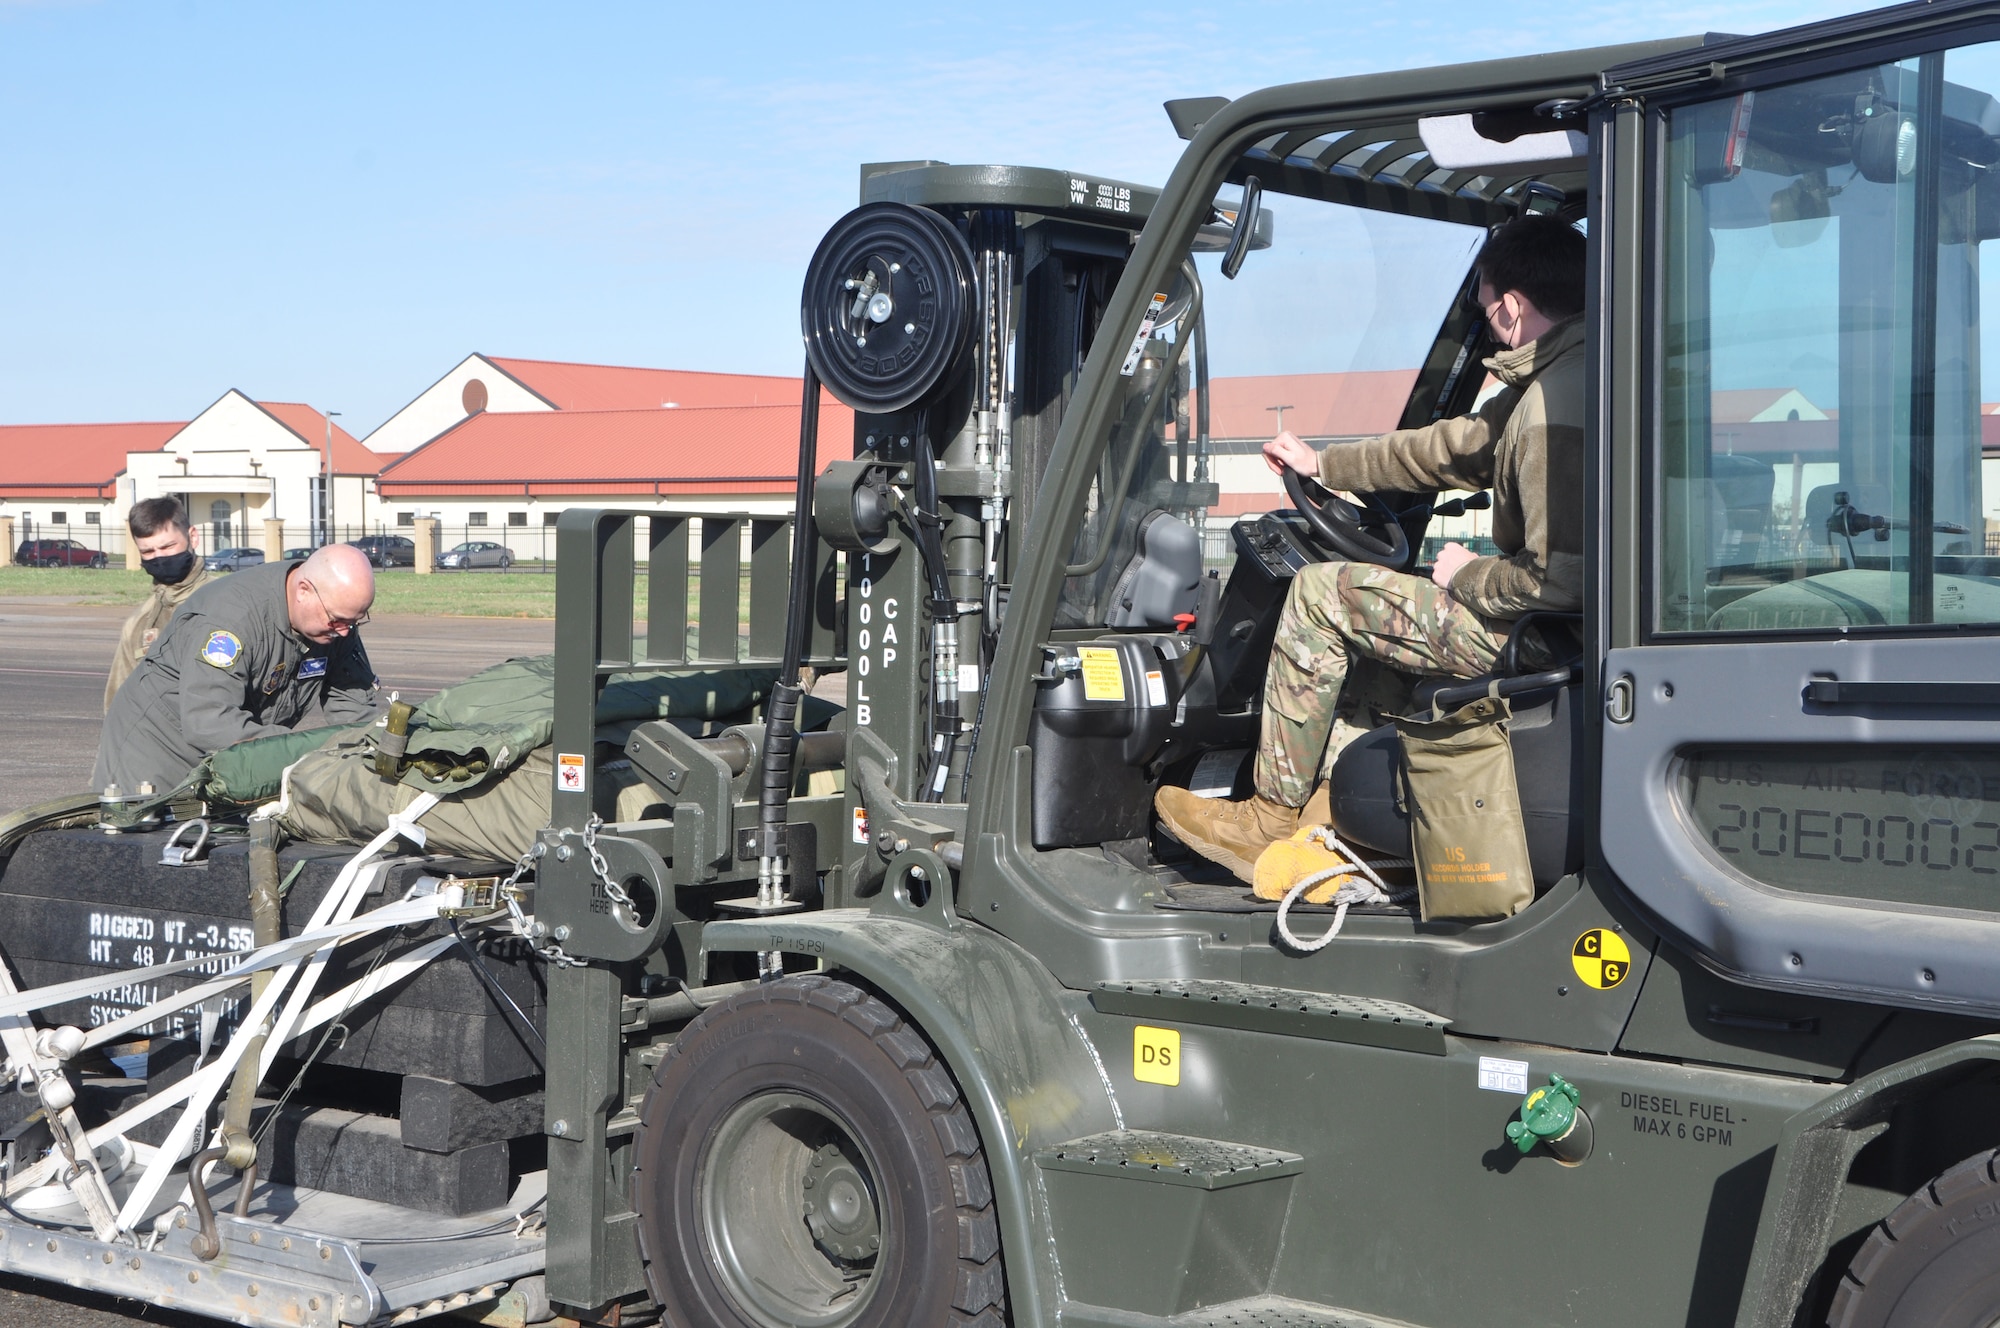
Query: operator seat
x,y
1547,732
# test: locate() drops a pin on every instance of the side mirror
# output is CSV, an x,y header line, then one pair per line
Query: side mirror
x,y
1246,226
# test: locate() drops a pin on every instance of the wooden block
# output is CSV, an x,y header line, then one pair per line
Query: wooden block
x,y
440,1116
349,1153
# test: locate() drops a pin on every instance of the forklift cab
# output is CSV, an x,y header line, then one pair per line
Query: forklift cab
x,y
1358,319
1786,465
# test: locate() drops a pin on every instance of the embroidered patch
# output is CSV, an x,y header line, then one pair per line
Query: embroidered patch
x,y
276,680
313,668
221,649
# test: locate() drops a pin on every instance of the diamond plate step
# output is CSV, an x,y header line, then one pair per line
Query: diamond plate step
x,y
1276,1312
1169,1159
1254,1312
1326,1016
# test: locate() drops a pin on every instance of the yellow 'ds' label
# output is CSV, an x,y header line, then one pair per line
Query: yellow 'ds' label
x,y
1156,1056
1103,675
1601,958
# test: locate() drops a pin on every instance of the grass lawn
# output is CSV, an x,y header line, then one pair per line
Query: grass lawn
x,y
515,594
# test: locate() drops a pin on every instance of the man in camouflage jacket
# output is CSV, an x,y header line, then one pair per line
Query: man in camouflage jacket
x,y
170,553
1526,444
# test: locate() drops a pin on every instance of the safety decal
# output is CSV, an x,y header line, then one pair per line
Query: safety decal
x,y
1503,1076
1601,958
1156,1056
860,825
1146,326
1156,688
569,772
1103,676
221,649
313,668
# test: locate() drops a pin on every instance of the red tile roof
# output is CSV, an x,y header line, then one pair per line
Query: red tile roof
x,y
612,387
72,461
689,452
349,456
1331,405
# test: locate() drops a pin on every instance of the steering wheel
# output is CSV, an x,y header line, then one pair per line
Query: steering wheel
x,y
1375,536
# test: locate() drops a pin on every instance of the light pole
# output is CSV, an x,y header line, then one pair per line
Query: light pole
x,y
326,498
1281,414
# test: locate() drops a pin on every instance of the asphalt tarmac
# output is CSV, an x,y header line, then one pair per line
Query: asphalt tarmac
x,y
54,658
53,661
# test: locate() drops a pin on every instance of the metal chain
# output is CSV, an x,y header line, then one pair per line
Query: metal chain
x,y
544,945
612,890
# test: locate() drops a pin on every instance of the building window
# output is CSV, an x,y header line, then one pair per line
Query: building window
x,y
59,518
93,519
475,518
406,518
517,518
549,518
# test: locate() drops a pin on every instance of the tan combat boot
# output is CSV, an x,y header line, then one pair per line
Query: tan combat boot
x,y
1231,833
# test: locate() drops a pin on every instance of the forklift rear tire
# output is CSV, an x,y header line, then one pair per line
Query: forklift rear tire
x,y
805,1161
1932,1263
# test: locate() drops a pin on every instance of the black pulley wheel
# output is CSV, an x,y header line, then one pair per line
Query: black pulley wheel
x,y
1344,529
806,1161
1932,1263
889,307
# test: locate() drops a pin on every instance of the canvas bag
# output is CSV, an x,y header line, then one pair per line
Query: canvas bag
x,y
1466,833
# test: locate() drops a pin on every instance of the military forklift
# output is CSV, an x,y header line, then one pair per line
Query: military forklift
x,y
913,1016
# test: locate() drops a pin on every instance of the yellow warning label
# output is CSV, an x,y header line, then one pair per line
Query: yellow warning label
x,y
1601,958
1103,675
1156,1054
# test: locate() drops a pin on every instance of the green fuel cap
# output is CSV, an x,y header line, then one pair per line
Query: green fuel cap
x,y
1546,1113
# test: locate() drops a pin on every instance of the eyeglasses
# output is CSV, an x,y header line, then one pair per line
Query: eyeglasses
x,y
336,624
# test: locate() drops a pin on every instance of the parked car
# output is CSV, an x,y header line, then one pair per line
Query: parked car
x,y
304,551
57,553
233,560
477,553
388,550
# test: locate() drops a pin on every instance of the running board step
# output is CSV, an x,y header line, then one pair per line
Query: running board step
x,y
1326,1016
1169,1159
1215,1219
1255,1312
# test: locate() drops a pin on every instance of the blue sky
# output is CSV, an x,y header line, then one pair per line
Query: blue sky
x,y
335,203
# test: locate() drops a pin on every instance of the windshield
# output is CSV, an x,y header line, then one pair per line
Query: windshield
x,y
1825,406
1323,333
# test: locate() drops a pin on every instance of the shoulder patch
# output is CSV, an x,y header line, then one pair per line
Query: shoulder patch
x,y
221,650
313,668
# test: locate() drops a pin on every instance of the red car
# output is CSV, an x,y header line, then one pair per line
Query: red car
x,y
57,553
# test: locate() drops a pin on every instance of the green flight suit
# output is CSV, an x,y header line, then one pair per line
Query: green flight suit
x,y
228,666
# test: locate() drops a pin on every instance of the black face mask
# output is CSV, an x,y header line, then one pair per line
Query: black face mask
x,y
171,569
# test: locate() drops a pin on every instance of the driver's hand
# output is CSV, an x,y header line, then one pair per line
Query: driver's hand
x,y
1287,452
1449,559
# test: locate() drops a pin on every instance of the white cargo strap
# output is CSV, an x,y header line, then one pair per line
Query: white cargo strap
x,y
338,906
86,1182
330,1007
1369,890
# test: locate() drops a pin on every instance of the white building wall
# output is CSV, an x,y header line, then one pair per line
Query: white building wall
x,y
442,405
236,453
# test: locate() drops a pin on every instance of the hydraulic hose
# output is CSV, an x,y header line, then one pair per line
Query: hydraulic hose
x,y
781,711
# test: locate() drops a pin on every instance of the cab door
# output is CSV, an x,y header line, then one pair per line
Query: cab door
x,y
1801,685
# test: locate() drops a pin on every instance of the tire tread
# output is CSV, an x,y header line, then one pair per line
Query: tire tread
x,y
980,1294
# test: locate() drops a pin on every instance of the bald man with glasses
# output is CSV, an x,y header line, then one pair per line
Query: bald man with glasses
x,y
264,650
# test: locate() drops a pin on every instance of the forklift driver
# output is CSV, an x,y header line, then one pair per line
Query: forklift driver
x,y
1526,442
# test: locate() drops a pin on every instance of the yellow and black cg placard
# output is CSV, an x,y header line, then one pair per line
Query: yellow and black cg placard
x,y
1601,958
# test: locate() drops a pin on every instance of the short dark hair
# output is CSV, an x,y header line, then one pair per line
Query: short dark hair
x,y
149,518
1540,257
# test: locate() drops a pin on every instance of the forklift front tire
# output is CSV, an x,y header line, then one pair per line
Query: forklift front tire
x,y
805,1159
1932,1263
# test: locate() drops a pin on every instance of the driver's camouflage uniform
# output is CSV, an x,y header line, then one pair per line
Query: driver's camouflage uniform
x,y
1526,443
